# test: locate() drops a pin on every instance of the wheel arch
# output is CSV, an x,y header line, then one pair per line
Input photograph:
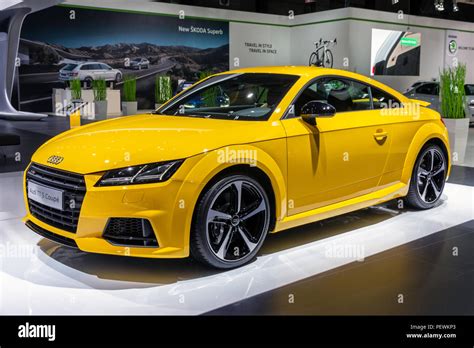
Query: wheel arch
x,y
429,133
208,168
250,171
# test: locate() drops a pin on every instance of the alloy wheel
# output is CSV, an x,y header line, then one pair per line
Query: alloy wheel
x,y
237,220
431,175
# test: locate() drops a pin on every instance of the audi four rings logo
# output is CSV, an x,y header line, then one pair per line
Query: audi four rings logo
x,y
55,159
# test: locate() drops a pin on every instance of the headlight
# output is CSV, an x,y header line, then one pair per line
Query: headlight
x,y
143,174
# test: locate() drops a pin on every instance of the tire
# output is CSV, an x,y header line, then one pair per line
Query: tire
x,y
428,178
313,59
329,61
118,78
227,234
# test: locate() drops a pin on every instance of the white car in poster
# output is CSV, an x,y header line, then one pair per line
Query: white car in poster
x,y
89,71
429,91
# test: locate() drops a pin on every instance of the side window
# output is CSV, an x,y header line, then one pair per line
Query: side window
x,y
383,100
86,67
105,67
428,88
345,95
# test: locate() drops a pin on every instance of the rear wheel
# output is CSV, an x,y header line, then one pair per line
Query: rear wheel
x,y
428,178
231,222
313,59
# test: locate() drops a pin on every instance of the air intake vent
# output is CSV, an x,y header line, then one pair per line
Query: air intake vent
x,y
130,232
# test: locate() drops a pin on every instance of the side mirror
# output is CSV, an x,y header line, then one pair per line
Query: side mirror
x,y
314,109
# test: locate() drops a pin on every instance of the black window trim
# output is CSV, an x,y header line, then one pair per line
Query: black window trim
x,y
436,84
309,83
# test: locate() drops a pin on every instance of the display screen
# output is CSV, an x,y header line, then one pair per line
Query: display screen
x,y
395,53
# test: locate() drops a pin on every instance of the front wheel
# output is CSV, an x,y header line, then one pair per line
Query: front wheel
x,y
329,60
428,178
231,222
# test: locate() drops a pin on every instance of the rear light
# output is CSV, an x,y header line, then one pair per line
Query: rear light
x,y
442,121
373,70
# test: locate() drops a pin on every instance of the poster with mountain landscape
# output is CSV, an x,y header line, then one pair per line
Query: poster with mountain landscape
x,y
58,36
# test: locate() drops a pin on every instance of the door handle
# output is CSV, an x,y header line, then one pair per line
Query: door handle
x,y
379,136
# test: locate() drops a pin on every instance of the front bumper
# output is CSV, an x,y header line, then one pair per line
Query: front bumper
x,y
159,203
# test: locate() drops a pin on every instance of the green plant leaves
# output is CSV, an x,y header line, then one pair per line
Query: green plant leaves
x,y
452,91
163,90
129,89
100,89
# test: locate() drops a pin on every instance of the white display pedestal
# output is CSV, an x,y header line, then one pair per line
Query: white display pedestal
x,y
62,97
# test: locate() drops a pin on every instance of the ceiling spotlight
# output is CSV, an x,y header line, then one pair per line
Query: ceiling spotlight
x,y
439,5
455,6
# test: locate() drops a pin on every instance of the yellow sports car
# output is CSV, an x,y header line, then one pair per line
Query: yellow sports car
x,y
237,156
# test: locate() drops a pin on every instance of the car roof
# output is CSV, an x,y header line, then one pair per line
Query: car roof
x,y
310,72
83,63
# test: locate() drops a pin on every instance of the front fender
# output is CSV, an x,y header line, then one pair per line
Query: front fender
x,y
207,166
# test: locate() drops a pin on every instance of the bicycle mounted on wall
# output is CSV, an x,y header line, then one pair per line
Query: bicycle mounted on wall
x,y
322,55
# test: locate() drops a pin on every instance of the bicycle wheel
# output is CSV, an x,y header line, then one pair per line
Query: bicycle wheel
x,y
328,61
313,59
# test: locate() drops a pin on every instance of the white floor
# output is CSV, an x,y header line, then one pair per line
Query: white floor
x,y
40,277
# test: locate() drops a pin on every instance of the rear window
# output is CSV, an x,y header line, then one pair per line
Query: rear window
x,y
70,67
469,89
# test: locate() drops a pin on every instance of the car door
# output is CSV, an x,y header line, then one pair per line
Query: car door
x,y
401,120
96,71
343,156
106,72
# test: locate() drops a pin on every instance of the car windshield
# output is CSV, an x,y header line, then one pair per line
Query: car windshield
x,y
69,67
469,89
248,96
136,60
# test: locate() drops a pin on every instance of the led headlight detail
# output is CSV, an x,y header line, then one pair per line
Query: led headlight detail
x,y
142,174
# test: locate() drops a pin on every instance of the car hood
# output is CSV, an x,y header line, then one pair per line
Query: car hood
x,y
149,138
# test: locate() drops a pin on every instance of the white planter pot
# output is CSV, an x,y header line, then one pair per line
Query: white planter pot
x,y
62,97
129,108
100,110
458,130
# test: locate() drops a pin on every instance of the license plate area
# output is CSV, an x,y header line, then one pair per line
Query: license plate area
x,y
45,195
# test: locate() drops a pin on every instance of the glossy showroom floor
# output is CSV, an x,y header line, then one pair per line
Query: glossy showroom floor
x,y
388,252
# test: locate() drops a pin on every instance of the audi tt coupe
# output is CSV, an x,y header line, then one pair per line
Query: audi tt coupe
x,y
237,156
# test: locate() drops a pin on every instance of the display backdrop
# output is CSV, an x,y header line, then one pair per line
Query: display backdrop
x,y
395,53
459,48
182,48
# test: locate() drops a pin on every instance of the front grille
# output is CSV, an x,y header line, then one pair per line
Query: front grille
x,y
130,232
51,236
74,188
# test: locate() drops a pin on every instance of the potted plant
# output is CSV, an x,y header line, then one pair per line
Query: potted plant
x,y
76,93
129,104
452,95
163,90
99,87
